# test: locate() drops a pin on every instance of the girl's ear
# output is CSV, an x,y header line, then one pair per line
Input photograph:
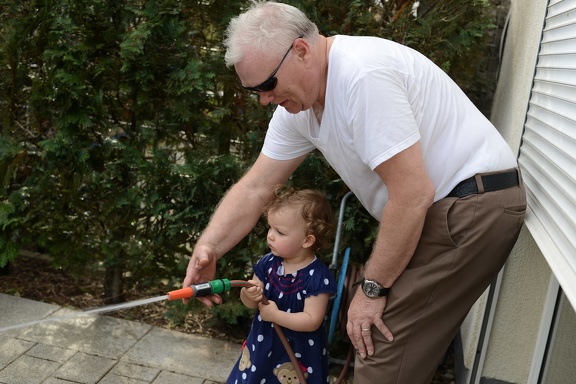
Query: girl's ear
x,y
309,241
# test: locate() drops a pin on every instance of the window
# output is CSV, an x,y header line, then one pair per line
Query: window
x,y
548,150
560,365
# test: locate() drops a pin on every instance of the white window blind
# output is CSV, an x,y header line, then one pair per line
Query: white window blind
x,y
548,151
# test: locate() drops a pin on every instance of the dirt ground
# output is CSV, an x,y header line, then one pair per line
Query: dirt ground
x,y
33,277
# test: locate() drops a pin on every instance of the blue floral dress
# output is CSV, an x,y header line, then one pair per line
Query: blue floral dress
x,y
264,359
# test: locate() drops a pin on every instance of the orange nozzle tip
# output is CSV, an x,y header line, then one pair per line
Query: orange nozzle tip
x,y
184,293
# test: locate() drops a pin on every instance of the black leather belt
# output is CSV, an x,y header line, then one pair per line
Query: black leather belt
x,y
489,182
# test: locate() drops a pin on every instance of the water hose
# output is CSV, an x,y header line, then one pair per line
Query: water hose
x,y
353,274
223,285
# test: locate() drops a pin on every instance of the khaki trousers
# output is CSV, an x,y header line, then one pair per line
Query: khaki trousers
x,y
464,244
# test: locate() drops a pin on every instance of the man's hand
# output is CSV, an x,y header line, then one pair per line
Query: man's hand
x,y
201,269
365,317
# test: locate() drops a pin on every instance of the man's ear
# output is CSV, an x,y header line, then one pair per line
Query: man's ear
x,y
309,241
301,48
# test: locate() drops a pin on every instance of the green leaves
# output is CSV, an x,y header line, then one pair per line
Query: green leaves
x,y
88,162
121,128
133,45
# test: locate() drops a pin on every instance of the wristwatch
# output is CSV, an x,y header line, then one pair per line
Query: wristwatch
x,y
373,290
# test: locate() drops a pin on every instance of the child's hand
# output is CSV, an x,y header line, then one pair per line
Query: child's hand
x,y
254,293
268,311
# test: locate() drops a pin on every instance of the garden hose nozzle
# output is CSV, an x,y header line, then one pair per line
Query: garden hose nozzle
x,y
223,285
202,289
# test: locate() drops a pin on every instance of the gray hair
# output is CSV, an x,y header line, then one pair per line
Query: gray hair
x,y
268,27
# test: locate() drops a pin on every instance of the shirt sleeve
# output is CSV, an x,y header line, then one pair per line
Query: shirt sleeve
x,y
262,266
284,139
319,280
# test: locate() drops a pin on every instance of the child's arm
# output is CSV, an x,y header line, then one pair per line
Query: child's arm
x,y
307,321
251,296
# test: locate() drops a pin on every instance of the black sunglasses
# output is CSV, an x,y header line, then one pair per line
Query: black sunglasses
x,y
270,83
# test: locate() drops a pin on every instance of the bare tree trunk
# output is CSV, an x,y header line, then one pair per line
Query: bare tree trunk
x,y
113,286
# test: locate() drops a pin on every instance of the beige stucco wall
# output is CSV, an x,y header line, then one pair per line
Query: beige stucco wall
x,y
517,68
517,318
526,275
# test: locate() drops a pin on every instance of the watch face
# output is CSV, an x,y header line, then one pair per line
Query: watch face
x,y
370,288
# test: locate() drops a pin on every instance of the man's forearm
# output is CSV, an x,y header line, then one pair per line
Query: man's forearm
x,y
242,206
398,235
234,218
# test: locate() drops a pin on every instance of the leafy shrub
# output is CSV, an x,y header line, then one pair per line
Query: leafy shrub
x,y
121,128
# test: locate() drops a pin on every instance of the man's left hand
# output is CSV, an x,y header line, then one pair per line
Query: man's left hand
x,y
364,315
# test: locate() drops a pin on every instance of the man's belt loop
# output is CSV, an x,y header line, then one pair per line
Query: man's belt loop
x,y
479,183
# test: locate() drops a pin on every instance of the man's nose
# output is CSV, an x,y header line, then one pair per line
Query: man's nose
x,y
266,97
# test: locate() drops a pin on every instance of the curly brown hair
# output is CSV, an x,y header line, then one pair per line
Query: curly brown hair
x,y
315,210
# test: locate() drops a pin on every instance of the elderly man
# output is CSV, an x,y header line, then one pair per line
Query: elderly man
x,y
419,156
